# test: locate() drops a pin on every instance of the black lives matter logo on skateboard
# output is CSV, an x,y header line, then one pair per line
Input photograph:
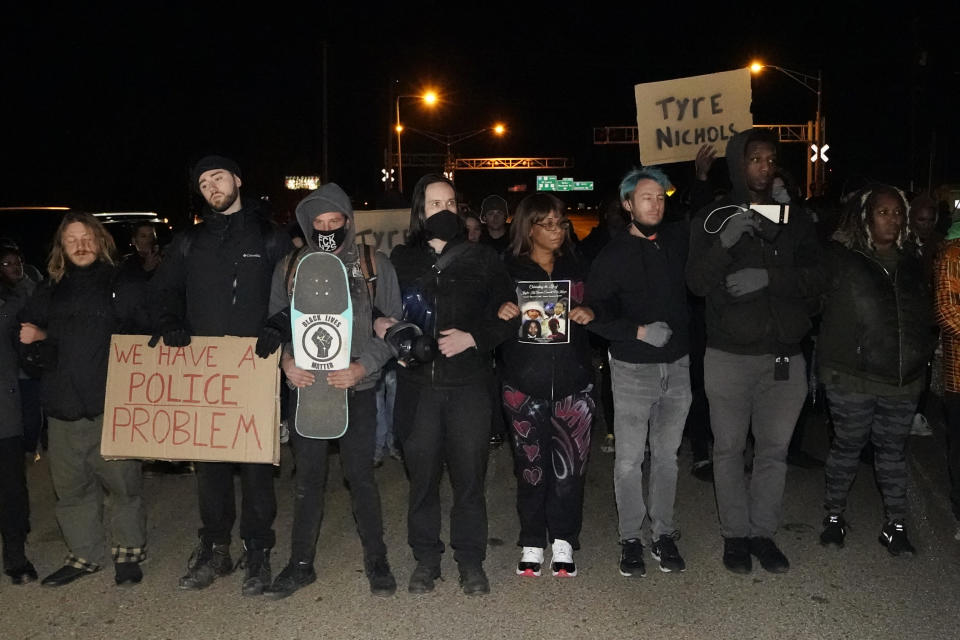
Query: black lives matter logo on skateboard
x,y
321,316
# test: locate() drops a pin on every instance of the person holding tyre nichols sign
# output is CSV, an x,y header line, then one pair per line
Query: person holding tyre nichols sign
x,y
214,280
327,220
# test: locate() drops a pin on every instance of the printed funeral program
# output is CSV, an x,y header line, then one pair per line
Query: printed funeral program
x,y
544,307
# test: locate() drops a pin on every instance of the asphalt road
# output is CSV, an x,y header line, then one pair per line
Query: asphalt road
x,y
857,592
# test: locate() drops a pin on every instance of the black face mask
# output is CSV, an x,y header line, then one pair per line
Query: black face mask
x,y
646,229
330,241
444,225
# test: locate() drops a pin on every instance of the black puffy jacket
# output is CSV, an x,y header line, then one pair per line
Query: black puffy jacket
x,y
79,314
465,295
876,325
215,277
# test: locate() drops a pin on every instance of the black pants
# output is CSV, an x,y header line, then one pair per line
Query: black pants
x,y
952,403
451,426
218,507
14,503
356,460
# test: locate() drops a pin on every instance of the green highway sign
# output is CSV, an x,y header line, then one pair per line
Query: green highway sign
x,y
552,183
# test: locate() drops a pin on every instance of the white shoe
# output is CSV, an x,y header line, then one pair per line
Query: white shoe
x,y
562,561
920,426
956,536
530,562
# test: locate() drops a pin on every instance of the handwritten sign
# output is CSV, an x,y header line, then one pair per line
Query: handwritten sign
x,y
383,229
676,117
213,400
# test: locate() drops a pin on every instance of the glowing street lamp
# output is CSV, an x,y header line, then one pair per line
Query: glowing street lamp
x,y
429,98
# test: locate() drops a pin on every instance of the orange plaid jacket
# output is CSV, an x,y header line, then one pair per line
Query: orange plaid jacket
x,y
948,311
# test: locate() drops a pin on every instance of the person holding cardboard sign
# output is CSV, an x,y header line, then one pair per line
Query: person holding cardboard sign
x,y
215,281
65,336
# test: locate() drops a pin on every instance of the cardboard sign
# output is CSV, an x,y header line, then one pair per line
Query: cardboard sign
x,y
676,117
213,400
382,229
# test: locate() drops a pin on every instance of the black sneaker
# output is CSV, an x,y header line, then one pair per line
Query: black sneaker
x,y
894,537
631,559
770,557
382,582
257,575
703,470
664,550
205,565
736,555
473,580
127,573
834,530
421,580
294,576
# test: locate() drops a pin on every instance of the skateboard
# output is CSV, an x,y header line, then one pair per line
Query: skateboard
x,y
321,316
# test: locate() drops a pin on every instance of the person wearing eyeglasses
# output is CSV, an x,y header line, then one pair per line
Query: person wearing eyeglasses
x,y
547,390
637,286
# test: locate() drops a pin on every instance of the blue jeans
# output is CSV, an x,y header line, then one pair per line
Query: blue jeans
x,y
386,392
648,399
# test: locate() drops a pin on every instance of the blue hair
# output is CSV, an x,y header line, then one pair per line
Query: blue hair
x,y
629,182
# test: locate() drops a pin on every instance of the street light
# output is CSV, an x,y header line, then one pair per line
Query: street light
x,y
812,83
429,98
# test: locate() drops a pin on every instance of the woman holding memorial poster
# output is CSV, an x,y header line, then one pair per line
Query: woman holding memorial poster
x,y
65,336
547,385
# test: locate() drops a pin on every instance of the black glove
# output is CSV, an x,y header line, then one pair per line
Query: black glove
x,y
735,227
173,333
276,330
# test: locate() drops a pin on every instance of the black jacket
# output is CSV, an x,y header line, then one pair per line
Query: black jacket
x,y
775,319
466,295
215,277
79,314
635,281
876,325
549,371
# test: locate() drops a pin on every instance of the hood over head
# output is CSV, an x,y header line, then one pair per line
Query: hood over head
x,y
736,147
329,197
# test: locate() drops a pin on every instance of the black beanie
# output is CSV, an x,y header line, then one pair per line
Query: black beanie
x,y
208,163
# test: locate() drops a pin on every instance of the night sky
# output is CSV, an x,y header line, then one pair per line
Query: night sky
x,y
105,109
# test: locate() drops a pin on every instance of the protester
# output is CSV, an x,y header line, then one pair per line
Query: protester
x,y
637,285
65,333
496,231
14,501
948,317
474,227
761,281
142,262
547,393
876,337
328,225
452,289
215,281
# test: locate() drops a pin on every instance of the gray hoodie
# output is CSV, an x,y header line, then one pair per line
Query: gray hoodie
x,y
367,349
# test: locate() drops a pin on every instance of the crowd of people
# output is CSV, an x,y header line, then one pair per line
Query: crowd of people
x,y
705,315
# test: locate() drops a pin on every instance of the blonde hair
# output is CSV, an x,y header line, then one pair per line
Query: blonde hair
x,y
106,247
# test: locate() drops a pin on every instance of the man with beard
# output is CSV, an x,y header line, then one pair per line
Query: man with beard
x,y
215,281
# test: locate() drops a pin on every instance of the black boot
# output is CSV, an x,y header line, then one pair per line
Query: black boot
x,y
206,564
257,562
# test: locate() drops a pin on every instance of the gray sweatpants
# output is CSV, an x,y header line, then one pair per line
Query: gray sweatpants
x,y
743,396
80,478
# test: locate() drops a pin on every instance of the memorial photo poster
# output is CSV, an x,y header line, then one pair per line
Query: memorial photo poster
x,y
544,311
